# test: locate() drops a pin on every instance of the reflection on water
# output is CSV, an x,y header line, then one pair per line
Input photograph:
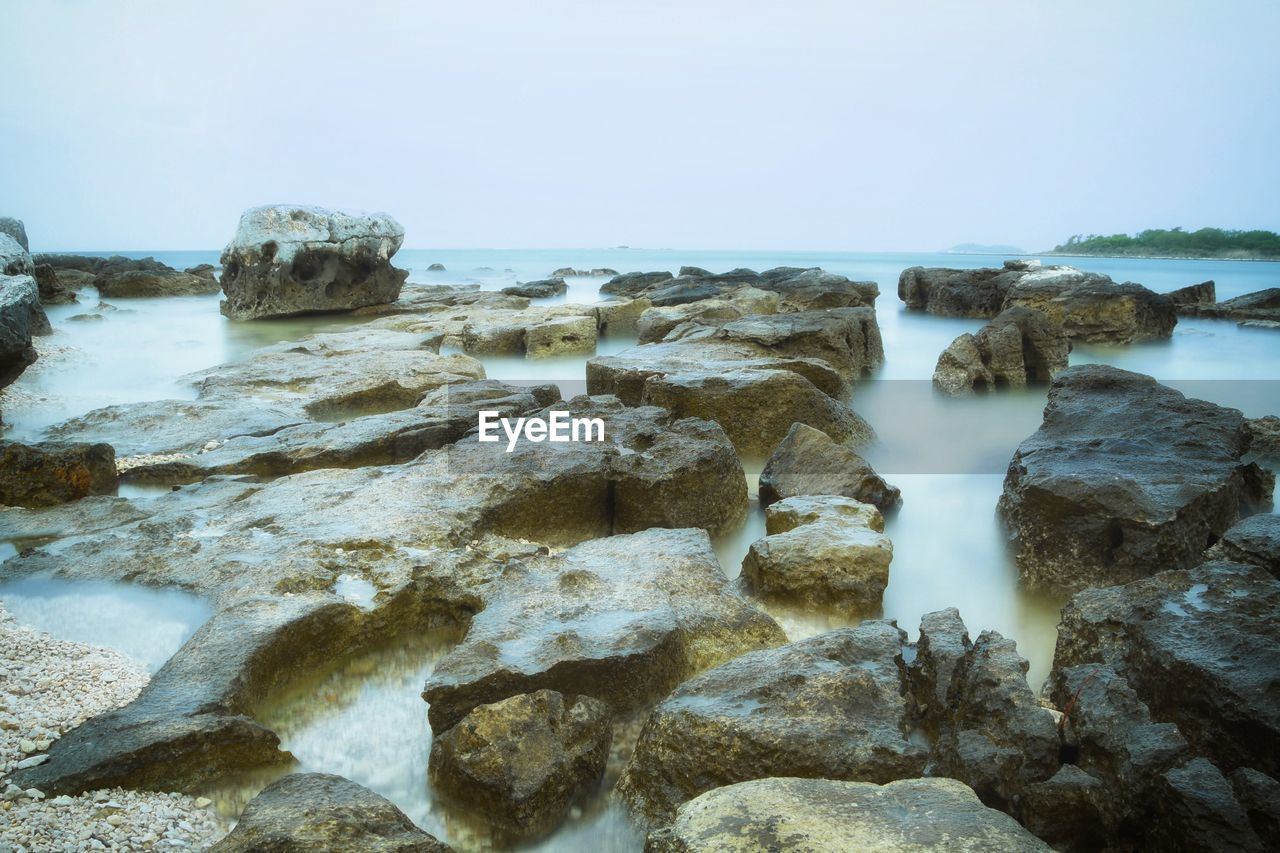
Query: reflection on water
x,y
148,625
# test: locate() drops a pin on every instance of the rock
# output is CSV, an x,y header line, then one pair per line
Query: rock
x,y
436,268
202,270
1264,436
809,462
542,289
1020,346
1064,810
656,323
20,317
14,259
560,336
288,260
943,644
798,289
45,474
828,707
1197,810
306,812
121,277
620,318
955,292
993,735
825,551
52,290
595,272
621,619
15,229
821,814
1204,293
1255,540
1198,647
1259,795
1125,478
522,762
1261,305
816,289
633,284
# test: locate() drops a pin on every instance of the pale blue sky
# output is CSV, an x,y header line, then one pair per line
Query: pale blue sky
x,y
836,125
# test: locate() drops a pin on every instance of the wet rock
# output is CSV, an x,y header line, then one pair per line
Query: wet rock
x,y
44,474
1255,540
1264,436
943,644
621,619
826,551
560,336
993,735
52,290
21,317
524,761
815,289
436,268
1261,305
958,293
121,277
821,814
305,812
541,289
846,338
620,318
828,707
809,462
1064,810
633,284
656,323
296,260
1259,795
1124,478
16,230
1198,647
1197,810
1204,293
1020,346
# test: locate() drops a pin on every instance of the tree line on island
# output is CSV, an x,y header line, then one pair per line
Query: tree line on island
x,y
1177,243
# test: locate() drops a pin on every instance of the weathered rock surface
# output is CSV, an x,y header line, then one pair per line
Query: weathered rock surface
x,y
1259,795
799,289
943,644
53,291
541,289
21,317
523,761
1255,540
1197,810
45,474
621,619
14,259
120,277
288,260
17,230
657,322
1261,305
1020,346
561,336
620,318
306,812
594,272
1204,293
827,551
826,815
1199,647
809,462
1125,478
632,284
1264,437
828,707
960,293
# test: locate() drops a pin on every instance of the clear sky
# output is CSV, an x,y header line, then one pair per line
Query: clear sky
x,y
796,125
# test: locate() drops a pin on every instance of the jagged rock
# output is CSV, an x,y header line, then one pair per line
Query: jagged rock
x,y
622,619
815,289
960,293
296,260
1264,436
522,762
560,336
44,474
1261,305
1124,478
993,735
14,259
621,318
1197,810
846,338
656,323
121,277
1018,347
322,813
15,229
21,317
809,462
1198,647
541,289
828,707
1204,293
52,290
1064,810
821,814
1255,540
944,642
633,284
1259,795
827,551
798,289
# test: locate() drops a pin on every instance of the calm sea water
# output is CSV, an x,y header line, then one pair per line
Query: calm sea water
x,y
947,456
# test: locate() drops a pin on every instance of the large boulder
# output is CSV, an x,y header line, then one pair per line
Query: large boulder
x,y
960,293
827,551
53,291
288,260
1204,293
1199,647
796,288
1125,478
1260,306
541,289
121,277
826,815
832,706
622,619
633,284
46,474
306,812
657,322
810,462
16,230
21,317
521,763
14,259
1018,347
1255,540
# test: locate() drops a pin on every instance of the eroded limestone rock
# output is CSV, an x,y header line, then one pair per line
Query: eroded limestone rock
x,y
34,475
809,462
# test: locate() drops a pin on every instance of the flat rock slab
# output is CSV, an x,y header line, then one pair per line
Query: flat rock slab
x,y
322,813
1199,646
621,619
1125,478
826,815
832,706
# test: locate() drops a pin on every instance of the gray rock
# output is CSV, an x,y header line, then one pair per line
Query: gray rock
x,y
121,277
1264,437
1204,293
34,475
14,258
828,707
15,229
1261,305
620,318
633,284
827,551
1020,346
288,260
825,815
1197,810
809,462
1259,795
542,289
1255,540
521,763
943,644
955,292
21,317
436,268
561,336
53,291
306,812
656,323
1125,478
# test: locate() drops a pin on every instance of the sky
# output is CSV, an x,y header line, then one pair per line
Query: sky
x,y
901,125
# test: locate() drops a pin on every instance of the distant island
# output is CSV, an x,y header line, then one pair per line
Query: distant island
x,y
984,249
1176,243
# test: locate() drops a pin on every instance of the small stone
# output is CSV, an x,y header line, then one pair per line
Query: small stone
x,y
27,746
203,802
33,761
115,819
108,676
34,793
62,800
